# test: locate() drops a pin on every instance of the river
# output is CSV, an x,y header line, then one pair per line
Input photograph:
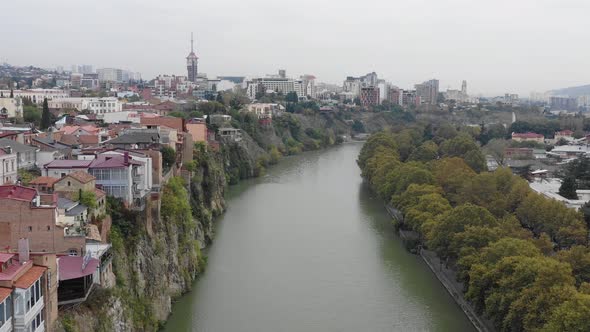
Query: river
x,y
308,248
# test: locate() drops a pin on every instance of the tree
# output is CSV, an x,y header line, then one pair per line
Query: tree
x,y
31,114
11,93
291,97
219,98
168,156
571,315
497,148
568,188
45,116
358,126
87,198
424,153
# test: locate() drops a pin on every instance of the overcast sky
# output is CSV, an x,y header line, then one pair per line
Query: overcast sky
x,y
498,46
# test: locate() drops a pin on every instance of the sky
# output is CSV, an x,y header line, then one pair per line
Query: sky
x,y
499,46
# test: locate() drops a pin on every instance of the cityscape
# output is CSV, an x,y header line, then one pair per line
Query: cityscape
x,y
284,201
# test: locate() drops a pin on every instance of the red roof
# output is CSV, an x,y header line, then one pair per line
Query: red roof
x,y
527,135
68,164
168,121
29,278
4,257
81,176
564,133
112,161
4,293
18,192
88,139
99,193
70,267
48,180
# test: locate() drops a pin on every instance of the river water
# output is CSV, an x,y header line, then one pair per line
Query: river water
x,y
308,248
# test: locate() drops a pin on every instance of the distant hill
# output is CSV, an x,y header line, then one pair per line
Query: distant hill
x,y
574,91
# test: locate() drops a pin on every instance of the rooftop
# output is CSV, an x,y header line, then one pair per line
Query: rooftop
x,y
527,135
81,176
137,137
29,278
70,267
5,257
4,293
69,164
16,146
17,192
46,180
112,161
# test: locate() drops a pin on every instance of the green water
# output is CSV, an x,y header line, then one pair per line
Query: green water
x,y
308,248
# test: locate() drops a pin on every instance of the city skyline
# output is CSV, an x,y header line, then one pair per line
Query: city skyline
x,y
509,47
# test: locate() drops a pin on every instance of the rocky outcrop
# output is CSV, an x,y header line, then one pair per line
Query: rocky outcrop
x,y
156,253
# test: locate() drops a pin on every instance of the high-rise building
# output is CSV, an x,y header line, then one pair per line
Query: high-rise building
x,y
428,92
110,75
369,96
191,63
464,87
563,103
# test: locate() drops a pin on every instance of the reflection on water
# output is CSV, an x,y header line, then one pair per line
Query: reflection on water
x,y
308,248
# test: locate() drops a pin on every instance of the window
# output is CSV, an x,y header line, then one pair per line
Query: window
x,y
69,183
48,228
30,228
73,252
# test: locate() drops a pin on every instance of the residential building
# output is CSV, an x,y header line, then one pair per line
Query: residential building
x,y
133,138
27,214
110,75
43,184
567,135
9,168
94,105
369,96
528,137
26,155
230,134
11,108
28,300
197,128
70,185
563,103
265,110
428,92
38,95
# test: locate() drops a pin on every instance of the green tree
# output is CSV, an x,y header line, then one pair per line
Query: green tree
x,y
45,116
87,198
568,188
571,315
168,156
426,152
291,97
11,93
31,114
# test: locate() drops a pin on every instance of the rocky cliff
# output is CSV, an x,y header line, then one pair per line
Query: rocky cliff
x,y
156,252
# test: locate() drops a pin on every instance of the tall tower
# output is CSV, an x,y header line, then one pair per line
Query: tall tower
x,y
191,63
464,87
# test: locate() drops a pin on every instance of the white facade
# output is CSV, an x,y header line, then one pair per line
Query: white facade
x,y
28,308
8,168
95,105
110,75
11,107
37,95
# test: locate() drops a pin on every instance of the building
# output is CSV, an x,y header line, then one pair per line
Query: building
x,y
197,128
38,95
132,139
265,110
563,103
191,63
567,135
28,291
70,185
10,108
528,137
110,75
26,156
428,92
94,105
27,214
9,168
43,184
230,134
369,96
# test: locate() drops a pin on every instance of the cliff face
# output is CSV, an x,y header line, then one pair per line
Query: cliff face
x,y
156,252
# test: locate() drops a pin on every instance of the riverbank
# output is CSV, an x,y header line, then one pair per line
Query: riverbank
x,y
446,276
308,248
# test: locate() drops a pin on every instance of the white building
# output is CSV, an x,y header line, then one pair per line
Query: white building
x,y
110,75
265,110
11,108
37,95
303,87
94,105
9,166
